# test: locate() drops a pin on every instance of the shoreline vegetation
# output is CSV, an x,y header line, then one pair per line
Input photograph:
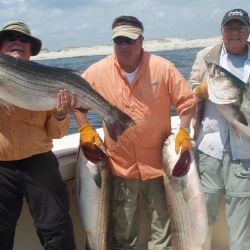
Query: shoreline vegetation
x,y
149,45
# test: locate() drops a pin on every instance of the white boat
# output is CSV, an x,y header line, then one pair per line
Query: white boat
x,y
66,152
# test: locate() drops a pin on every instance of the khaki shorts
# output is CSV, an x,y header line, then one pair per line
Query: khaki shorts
x,y
230,179
227,175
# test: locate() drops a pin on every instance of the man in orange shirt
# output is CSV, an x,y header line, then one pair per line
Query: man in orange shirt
x,y
145,86
28,168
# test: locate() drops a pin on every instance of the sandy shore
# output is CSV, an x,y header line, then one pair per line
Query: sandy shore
x,y
149,45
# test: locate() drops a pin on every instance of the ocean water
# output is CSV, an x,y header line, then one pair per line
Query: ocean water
x,y
183,59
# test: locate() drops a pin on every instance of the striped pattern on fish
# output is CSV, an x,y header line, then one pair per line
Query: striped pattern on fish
x,y
93,202
186,202
34,86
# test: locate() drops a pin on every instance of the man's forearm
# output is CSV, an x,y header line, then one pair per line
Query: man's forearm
x,y
80,117
186,118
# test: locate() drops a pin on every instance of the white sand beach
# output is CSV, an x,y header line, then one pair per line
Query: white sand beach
x,y
149,45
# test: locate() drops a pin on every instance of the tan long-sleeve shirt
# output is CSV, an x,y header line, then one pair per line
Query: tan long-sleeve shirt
x,y
24,133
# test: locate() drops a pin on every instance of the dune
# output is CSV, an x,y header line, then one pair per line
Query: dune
x,y
149,45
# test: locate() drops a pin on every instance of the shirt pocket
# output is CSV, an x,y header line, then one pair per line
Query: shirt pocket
x,y
209,126
153,94
209,165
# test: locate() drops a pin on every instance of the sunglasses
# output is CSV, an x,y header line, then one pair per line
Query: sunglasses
x,y
13,37
238,28
120,40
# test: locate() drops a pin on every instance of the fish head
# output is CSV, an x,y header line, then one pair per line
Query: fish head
x,y
219,75
223,87
176,165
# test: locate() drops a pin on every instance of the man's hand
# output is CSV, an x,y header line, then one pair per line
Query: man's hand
x,y
182,141
64,105
201,90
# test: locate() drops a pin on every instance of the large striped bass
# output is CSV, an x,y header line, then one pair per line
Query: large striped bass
x,y
185,199
34,86
92,196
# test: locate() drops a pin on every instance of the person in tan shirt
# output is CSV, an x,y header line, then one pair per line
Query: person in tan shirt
x,y
223,160
28,168
144,86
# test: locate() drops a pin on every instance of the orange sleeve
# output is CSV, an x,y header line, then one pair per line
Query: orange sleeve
x,y
181,93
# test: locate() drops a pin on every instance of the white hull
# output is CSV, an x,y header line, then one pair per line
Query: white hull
x,y
66,150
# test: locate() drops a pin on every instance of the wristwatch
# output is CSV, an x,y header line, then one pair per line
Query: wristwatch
x,y
59,116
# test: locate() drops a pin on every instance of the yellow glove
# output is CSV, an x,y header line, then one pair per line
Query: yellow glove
x,y
92,145
201,90
182,140
89,135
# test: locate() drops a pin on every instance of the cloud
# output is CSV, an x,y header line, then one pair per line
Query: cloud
x,y
9,2
63,23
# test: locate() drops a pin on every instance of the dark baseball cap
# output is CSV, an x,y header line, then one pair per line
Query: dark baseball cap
x,y
237,14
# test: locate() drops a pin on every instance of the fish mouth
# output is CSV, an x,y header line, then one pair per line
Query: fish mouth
x,y
94,153
182,166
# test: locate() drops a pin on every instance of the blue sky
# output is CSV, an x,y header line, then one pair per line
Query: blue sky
x,y
72,23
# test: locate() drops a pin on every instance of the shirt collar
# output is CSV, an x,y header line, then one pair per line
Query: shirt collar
x,y
225,53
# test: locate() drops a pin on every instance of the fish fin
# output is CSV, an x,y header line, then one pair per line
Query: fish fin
x,y
241,130
238,115
117,122
241,118
199,114
95,172
38,66
87,245
6,106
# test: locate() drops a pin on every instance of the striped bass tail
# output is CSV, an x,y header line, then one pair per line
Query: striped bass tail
x,y
117,122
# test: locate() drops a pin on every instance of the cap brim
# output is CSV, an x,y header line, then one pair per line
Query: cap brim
x,y
36,45
126,34
234,18
128,31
